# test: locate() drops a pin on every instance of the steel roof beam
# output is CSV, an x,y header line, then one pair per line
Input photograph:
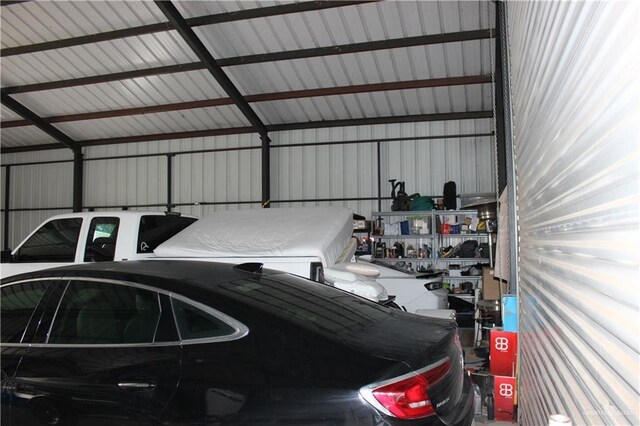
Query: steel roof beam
x,y
37,121
190,37
272,128
218,18
263,97
368,46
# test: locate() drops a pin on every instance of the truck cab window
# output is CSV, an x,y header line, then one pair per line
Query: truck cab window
x,y
155,230
101,239
55,241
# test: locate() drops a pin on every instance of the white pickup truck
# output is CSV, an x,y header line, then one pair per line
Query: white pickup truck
x,y
312,242
93,237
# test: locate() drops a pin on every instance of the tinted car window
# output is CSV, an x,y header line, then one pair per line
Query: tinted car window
x,y
55,241
105,313
18,304
312,305
155,230
194,323
101,240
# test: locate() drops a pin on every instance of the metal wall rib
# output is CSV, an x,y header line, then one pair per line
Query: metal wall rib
x,y
574,73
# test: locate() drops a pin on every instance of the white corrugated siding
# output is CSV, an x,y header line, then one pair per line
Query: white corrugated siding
x,y
574,74
350,171
126,181
47,186
218,177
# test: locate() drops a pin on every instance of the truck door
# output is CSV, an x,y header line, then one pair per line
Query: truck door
x,y
54,244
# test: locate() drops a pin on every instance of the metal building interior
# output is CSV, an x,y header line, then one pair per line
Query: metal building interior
x,y
202,106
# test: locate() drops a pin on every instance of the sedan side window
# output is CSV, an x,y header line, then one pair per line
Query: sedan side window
x,y
195,323
55,241
94,313
19,301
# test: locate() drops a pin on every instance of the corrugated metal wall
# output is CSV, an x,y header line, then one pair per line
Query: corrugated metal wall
x,y
203,182
351,170
574,74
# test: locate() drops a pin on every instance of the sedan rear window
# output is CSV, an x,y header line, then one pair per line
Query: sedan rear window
x,y
310,304
194,323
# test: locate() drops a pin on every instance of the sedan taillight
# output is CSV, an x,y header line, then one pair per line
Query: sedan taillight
x,y
406,397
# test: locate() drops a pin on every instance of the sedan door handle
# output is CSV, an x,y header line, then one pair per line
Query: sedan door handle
x,y
136,385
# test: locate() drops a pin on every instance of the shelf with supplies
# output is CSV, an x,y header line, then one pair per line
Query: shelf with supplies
x,y
413,232
463,259
464,277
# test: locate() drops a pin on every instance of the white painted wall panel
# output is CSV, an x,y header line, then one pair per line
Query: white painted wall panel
x,y
43,185
574,74
127,181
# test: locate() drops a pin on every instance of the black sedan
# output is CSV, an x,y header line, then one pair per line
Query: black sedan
x,y
200,343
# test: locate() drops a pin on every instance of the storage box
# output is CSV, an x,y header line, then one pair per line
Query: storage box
x,y
504,397
510,313
491,285
502,353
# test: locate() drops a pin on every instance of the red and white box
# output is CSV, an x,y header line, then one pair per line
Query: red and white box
x,y
504,397
503,350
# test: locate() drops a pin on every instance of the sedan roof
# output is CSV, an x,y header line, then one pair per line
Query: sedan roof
x,y
197,273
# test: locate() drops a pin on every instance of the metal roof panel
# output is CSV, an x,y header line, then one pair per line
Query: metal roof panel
x,y
36,22
144,91
24,136
166,122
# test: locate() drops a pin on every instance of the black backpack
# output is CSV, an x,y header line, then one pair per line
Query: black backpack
x,y
449,196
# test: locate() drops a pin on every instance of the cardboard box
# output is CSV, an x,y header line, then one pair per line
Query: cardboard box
x,y
502,353
504,397
491,285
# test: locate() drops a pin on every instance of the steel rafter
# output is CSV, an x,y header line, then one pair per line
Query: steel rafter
x,y
263,97
40,123
190,37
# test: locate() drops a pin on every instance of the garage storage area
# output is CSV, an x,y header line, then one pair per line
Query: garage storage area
x,y
485,156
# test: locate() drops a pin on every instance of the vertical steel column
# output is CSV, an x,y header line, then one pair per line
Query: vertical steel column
x,y
379,149
169,181
78,166
500,110
510,154
266,171
7,200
